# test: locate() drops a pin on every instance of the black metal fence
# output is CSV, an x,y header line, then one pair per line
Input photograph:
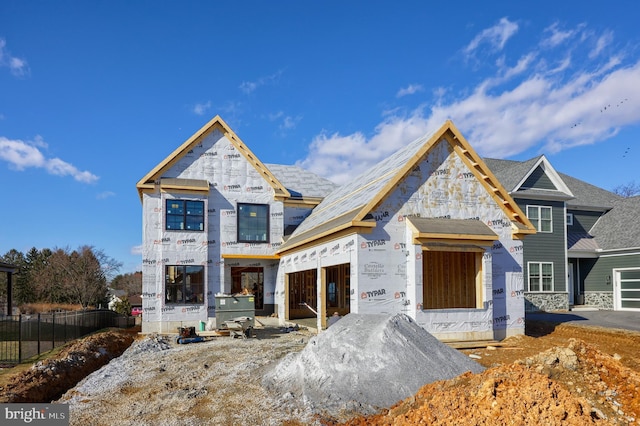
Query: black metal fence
x,y
25,336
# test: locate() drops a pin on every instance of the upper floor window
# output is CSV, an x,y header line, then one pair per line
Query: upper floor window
x,y
569,219
540,276
185,215
540,216
253,223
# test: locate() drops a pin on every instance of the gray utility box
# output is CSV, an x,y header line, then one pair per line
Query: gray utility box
x,y
229,307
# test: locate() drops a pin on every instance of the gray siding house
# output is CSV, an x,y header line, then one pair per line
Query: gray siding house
x,y
587,248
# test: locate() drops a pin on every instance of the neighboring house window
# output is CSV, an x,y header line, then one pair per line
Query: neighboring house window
x,y
184,284
540,216
540,276
185,215
569,219
451,279
253,223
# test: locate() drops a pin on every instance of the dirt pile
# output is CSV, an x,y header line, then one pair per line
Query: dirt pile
x,y
47,380
572,385
215,382
365,362
544,377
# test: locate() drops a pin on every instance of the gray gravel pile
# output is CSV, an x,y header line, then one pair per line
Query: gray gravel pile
x,y
118,372
365,362
151,343
157,382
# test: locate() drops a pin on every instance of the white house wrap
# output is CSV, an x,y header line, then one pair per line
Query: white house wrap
x,y
429,232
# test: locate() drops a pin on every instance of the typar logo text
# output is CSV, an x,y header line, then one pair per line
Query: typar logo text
x,y
43,414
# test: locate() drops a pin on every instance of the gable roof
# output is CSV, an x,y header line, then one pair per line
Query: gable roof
x,y
619,228
578,194
148,182
349,205
521,178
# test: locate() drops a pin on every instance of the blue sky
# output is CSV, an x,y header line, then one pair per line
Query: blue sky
x,y
94,94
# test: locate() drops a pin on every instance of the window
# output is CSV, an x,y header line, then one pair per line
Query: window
x,y
253,223
540,276
569,219
184,284
451,279
185,215
540,216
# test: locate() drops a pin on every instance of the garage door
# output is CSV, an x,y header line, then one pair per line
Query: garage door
x,y
629,289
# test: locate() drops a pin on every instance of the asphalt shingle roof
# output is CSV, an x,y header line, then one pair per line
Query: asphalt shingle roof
x,y
587,195
620,227
581,241
511,172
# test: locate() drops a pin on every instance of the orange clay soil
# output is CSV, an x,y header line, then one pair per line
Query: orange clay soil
x,y
563,374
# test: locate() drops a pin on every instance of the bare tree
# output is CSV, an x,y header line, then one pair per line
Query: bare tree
x,y
49,276
130,283
78,276
627,190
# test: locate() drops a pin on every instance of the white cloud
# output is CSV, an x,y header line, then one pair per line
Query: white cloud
x,y
201,109
287,122
137,250
339,157
290,122
275,116
555,36
17,66
529,105
409,90
22,155
248,86
496,37
603,41
106,194
251,86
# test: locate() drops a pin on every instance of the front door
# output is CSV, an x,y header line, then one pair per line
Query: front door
x,y
249,280
571,284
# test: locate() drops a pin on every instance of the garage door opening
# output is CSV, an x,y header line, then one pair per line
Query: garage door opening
x,y
302,294
337,289
628,289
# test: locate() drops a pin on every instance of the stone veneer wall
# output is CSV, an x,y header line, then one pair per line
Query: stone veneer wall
x,y
546,302
599,299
